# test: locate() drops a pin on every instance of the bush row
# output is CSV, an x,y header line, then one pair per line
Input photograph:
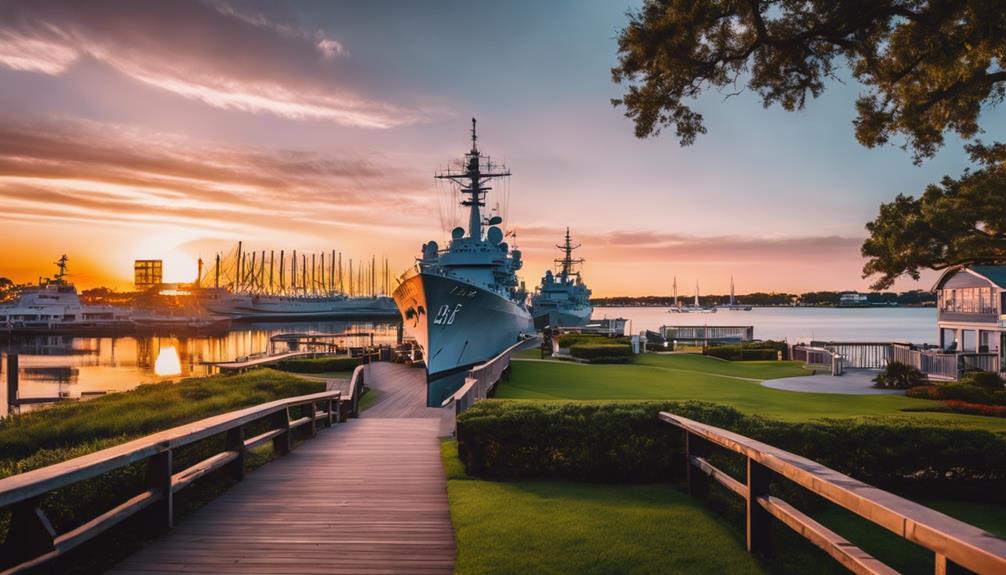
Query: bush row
x,y
625,442
595,351
319,364
958,391
733,353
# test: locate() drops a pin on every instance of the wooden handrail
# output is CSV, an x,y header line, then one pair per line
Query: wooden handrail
x,y
954,542
31,540
479,382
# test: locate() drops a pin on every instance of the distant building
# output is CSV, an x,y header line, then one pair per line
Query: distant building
x,y
853,300
705,334
970,305
147,274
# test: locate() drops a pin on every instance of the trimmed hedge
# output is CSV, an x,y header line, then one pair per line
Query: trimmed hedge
x,y
767,350
625,442
958,391
319,364
597,351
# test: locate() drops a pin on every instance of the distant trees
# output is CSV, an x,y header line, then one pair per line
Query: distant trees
x,y
8,290
817,298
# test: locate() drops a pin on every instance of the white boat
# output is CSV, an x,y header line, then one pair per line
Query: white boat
x,y
54,306
693,308
733,305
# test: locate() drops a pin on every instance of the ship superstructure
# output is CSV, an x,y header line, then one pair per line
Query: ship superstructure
x,y
562,299
53,306
464,304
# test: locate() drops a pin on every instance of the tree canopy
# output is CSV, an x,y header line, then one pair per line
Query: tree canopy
x,y
956,222
929,66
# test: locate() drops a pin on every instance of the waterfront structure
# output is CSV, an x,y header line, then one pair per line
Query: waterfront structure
x,y
464,304
971,302
147,274
707,334
853,299
267,307
562,299
53,306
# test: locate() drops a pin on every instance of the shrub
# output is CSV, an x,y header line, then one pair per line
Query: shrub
x,y
625,442
319,364
987,380
958,406
899,375
738,353
598,351
959,391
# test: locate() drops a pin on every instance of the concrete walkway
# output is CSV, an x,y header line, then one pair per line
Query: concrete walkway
x,y
854,382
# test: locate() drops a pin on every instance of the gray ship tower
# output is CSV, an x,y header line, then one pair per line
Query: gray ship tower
x,y
464,304
562,300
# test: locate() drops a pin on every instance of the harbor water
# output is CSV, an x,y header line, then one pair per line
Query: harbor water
x,y
797,324
74,367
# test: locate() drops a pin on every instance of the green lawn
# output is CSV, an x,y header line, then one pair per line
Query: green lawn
x,y
686,376
564,527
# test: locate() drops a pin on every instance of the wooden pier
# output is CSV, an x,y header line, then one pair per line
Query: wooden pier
x,y
367,496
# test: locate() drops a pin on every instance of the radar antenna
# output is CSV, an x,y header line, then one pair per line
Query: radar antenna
x,y
478,169
567,262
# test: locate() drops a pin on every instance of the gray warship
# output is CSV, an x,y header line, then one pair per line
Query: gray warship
x,y
464,304
562,299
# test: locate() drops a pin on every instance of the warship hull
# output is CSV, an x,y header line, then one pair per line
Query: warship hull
x,y
458,325
562,318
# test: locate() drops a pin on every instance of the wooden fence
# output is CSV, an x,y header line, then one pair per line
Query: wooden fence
x,y
954,543
481,379
31,539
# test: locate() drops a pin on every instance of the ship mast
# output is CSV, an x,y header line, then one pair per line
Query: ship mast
x,y
62,265
471,183
567,262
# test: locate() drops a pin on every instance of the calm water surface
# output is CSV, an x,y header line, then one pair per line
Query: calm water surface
x,y
61,366
796,324
71,367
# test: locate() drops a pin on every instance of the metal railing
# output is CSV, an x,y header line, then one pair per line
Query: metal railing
x,y
954,543
31,539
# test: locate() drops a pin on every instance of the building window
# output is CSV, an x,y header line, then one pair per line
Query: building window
x,y
968,300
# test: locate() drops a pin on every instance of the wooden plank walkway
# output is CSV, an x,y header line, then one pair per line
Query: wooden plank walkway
x,y
260,360
367,496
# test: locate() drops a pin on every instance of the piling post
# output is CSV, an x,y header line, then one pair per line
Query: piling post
x,y
12,380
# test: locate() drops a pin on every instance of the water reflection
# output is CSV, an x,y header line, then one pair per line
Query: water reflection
x,y
167,362
65,366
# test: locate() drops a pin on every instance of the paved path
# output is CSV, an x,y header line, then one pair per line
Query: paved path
x,y
854,382
367,496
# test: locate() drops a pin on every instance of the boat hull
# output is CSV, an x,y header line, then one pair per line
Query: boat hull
x,y
458,325
570,317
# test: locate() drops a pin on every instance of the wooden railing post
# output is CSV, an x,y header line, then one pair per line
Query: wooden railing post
x,y
945,566
159,478
309,410
759,521
29,534
698,482
236,442
328,409
281,443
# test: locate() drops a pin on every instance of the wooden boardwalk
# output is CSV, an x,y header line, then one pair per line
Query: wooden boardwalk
x,y
367,496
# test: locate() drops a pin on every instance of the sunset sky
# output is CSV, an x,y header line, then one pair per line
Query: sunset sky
x,y
171,130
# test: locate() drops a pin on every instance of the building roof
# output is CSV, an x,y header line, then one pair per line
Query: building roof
x,y
994,274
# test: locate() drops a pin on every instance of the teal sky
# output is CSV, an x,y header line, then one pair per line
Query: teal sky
x,y
172,130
